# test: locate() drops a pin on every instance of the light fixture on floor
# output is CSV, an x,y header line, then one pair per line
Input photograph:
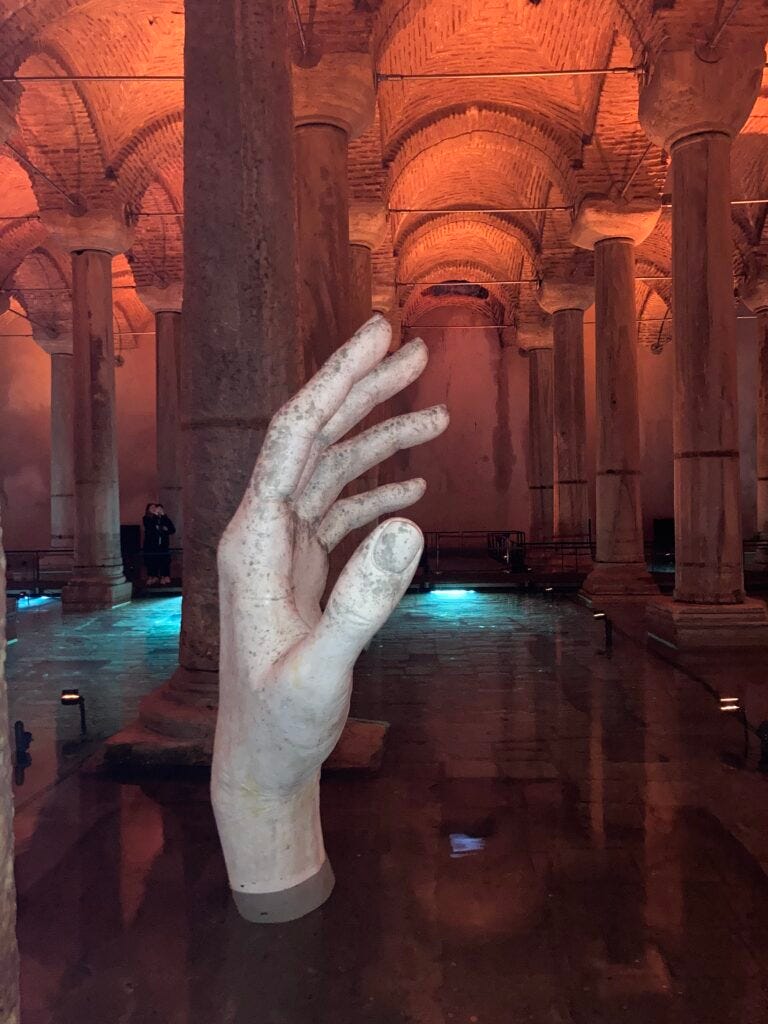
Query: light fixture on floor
x,y
608,630
75,697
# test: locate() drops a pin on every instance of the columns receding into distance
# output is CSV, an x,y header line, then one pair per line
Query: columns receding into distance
x,y
692,107
566,300
612,230
93,238
333,103
165,304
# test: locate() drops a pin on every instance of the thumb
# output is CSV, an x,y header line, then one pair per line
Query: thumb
x,y
372,583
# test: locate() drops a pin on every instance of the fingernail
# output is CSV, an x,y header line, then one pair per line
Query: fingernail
x,y
398,544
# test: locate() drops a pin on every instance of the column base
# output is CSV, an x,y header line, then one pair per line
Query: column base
x,y
690,627
760,559
89,595
618,580
286,904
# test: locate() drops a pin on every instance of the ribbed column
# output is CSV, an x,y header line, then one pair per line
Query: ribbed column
x,y
94,236
566,299
62,452
168,326
694,106
612,230
540,444
98,580
59,346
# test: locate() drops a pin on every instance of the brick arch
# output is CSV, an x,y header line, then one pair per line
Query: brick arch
x,y
501,297
154,152
59,133
423,305
479,168
501,244
539,143
42,285
157,254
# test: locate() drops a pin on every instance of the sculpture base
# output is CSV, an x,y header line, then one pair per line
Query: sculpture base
x,y
286,904
172,732
691,627
88,595
614,580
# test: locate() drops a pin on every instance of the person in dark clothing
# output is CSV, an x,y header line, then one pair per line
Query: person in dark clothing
x,y
158,529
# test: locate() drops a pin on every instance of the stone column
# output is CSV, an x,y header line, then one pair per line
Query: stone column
x,y
755,295
692,104
613,230
536,342
333,103
62,438
566,301
93,237
367,231
240,358
165,304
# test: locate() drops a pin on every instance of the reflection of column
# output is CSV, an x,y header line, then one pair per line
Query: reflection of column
x,y
613,230
691,107
165,303
755,294
566,301
333,102
62,439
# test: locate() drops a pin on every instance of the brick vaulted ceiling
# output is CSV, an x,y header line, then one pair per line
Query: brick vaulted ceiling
x,y
473,145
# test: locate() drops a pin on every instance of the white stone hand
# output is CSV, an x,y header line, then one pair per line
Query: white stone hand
x,y
286,667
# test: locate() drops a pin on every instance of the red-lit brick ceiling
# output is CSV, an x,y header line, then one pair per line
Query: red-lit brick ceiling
x,y
463,144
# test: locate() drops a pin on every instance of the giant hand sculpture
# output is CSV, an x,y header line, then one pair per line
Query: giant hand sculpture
x,y
286,667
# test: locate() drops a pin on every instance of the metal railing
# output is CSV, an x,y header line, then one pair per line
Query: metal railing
x,y
37,571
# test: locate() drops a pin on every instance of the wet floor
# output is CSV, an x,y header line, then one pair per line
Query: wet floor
x,y
555,837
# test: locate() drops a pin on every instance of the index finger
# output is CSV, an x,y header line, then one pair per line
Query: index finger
x,y
293,428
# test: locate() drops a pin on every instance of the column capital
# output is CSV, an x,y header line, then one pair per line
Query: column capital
x,y
338,91
691,90
599,218
367,223
556,294
103,229
535,333
54,342
166,299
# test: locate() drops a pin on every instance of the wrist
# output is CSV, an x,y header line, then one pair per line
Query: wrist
x,y
272,841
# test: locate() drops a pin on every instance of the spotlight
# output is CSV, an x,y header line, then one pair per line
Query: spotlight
x,y
730,704
439,592
608,630
74,697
